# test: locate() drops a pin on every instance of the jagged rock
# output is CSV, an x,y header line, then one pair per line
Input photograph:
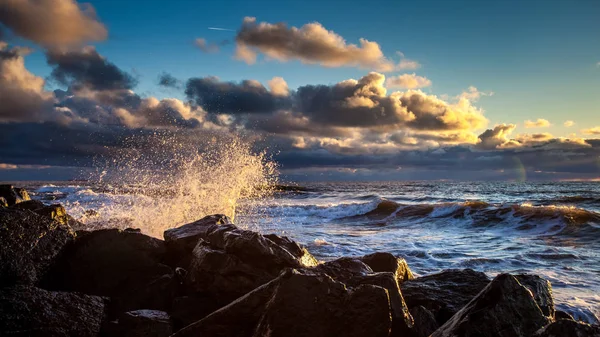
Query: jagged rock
x,y
180,241
13,195
504,308
145,323
541,290
425,322
229,262
124,265
386,262
444,293
30,311
300,303
29,244
186,310
567,327
54,212
3,202
344,269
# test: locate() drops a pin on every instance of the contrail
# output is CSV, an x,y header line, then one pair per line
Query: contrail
x,y
217,28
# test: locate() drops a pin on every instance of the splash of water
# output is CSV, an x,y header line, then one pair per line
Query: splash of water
x,y
166,181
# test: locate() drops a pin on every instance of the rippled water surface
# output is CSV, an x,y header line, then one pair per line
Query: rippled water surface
x,y
550,229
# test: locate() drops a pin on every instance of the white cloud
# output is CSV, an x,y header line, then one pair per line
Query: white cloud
x,y
539,123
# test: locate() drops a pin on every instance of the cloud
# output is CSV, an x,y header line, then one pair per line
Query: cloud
x,y
169,81
205,46
539,123
222,29
311,44
87,69
592,131
248,96
493,138
473,94
407,81
279,86
569,124
52,23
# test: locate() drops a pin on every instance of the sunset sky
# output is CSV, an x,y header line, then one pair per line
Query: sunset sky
x,y
335,90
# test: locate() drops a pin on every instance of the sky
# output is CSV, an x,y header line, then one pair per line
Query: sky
x,y
379,90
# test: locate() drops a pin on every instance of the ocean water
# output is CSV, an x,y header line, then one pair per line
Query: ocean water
x,y
549,229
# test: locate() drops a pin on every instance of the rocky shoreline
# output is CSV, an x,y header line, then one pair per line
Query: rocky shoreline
x,y
211,278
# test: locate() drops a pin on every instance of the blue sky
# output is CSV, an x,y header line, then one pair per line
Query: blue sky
x,y
529,60
538,57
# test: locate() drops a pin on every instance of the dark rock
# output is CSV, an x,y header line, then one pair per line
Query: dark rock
x,y
181,241
145,323
425,322
186,310
344,269
504,308
124,265
29,311
13,195
444,293
559,314
542,292
570,328
386,262
3,202
300,303
54,212
30,243
229,262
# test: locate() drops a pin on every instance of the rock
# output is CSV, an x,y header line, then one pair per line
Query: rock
x,y
30,243
181,241
567,327
3,202
186,310
444,293
344,269
386,262
54,212
425,322
559,314
30,311
13,195
541,290
300,303
145,323
504,308
126,266
228,262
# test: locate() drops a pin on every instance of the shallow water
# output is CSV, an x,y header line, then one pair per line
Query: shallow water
x,y
549,229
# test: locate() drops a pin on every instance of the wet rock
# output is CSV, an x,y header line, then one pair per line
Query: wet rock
x,y
126,266
444,293
145,323
3,202
54,212
186,310
344,269
425,322
504,308
30,311
541,290
567,327
386,262
30,244
300,303
13,195
229,262
180,241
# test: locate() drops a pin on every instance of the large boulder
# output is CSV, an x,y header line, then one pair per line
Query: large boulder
x,y
567,327
13,195
425,322
30,311
504,308
542,292
229,262
300,303
444,293
386,262
29,245
125,265
54,212
145,323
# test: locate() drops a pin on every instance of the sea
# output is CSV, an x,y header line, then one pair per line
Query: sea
x,y
551,229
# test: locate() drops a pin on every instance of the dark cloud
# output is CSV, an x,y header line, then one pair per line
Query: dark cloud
x,y
169,81
87,69
248,96
52,23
